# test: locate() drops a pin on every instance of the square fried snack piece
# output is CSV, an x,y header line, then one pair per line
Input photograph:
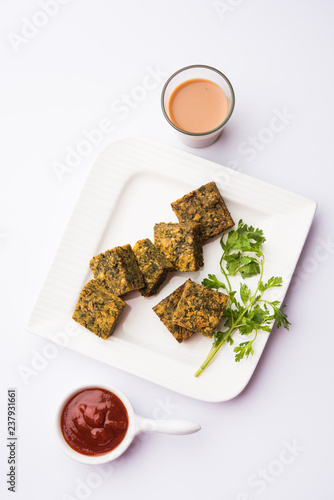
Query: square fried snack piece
x,y
206,206
98,309
165,311
153,265
199,308
181,243
118,270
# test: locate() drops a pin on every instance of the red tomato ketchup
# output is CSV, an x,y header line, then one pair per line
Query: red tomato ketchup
x,y
94,421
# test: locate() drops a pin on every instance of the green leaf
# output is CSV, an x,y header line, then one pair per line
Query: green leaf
x,y
281,318
222,337
246,265
244,349
232,237
246,328
213,282
278,314
272,282
258,315
266,328
249,270
245,293
230,315
232,298
256,319
244,238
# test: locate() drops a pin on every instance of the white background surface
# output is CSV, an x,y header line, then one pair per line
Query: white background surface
x,y
274,439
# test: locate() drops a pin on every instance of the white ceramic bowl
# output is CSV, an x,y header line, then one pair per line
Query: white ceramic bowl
x,y
136,425
201,139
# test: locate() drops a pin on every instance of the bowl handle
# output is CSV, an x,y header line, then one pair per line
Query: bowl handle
x,y
172,426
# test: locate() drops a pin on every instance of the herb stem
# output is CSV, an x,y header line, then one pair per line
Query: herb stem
x,y
213,351
235,324
261,276
225,273
229,287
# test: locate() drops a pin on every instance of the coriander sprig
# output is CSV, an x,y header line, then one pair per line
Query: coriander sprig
x,y
242,254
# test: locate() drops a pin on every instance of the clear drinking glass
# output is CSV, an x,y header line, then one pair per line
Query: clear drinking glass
x,y
198,139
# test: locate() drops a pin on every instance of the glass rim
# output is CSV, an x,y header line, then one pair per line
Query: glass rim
x,y
197,134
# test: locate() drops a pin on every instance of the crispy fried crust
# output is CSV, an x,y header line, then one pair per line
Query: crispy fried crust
x,y
206,206
181,243
118,270
98,310
153,265
199,308
165,311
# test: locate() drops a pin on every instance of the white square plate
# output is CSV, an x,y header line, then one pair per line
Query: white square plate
x,y
128,189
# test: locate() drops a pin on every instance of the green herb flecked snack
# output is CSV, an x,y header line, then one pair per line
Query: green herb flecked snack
x,y
181,243
165,311
199,308
118,270
153,265
206,206
98,310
